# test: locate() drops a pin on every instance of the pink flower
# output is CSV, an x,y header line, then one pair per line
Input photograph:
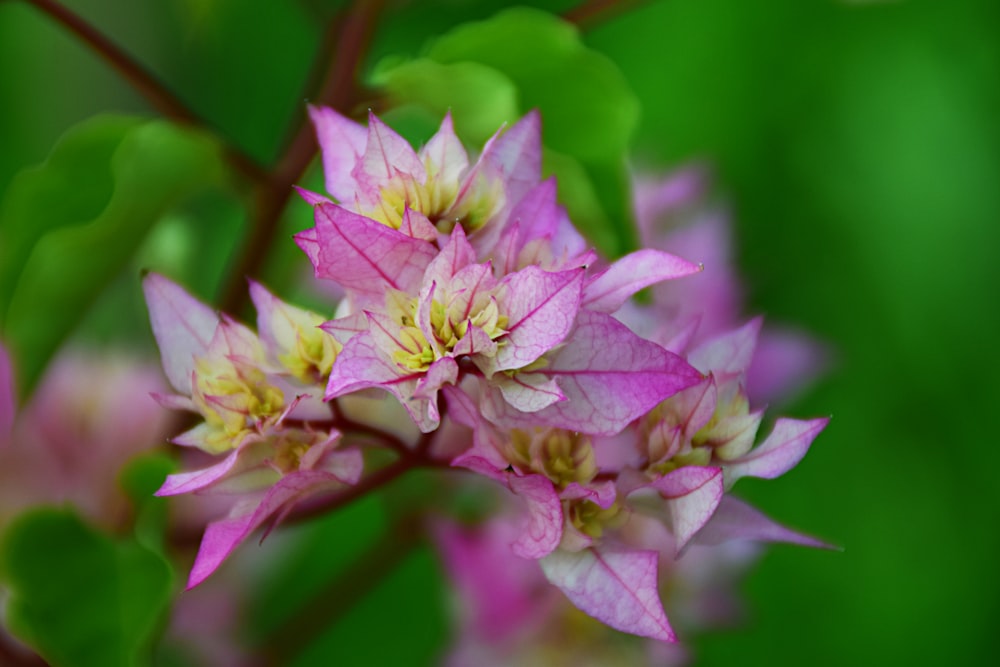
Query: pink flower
x,y
89,415
514,298
239,384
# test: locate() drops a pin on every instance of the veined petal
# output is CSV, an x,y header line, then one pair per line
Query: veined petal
x,y
310,197
517,154
456,254
610,376
188,482
736,520
360,365
729,355
780,451
543,531
528,392
540,307
692,494
609,290
363,255
444,156
221,537
618,588
386,154
183,327
417,225
342,143
602,494
345,328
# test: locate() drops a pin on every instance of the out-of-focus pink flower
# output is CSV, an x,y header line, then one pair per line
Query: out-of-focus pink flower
x,y
90,414
239,383
673,214
507,613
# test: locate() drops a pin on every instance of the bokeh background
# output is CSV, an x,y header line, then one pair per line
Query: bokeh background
x,y
857,145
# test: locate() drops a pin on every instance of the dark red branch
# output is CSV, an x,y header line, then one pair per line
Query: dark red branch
x,y
592,13
147,85
341,91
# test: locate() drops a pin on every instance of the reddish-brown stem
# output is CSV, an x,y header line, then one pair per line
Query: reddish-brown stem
x,y
591,13
341,91
341,594
147,85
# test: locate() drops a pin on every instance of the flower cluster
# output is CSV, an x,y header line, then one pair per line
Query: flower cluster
x,y
514,348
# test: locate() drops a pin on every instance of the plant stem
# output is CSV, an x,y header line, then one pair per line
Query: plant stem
x,y
591,13
344,592
339,90
147,85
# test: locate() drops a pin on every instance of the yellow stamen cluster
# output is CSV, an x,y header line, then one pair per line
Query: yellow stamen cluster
x,y
449,327
234,398
436,199
591,519
562,456
312,353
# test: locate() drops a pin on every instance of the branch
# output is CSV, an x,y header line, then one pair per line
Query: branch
x,y
147,85
340,595
341,91
591,13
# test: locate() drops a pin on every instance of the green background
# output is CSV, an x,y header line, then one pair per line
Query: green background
x,y
858,148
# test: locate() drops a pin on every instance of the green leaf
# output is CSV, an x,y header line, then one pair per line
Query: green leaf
x,y
140,478
480,98
79,598
68,227
589,109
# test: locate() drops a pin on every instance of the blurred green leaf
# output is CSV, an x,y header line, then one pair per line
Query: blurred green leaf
x,y
140,478
589,109
68,227
587,106
480,97
79,598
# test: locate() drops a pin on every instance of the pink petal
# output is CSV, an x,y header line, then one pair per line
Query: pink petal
x,y
728,355
618,588
543,531
417,225
609,290
386,154
517,153
454,256
8,405
610,376
444,153
183,327
366,256
342,142
540,307
311,198
221,537
361,365
529,392
499,594
692,493
783,362
188,482
736,520
779,453
345,328
602,494
358,366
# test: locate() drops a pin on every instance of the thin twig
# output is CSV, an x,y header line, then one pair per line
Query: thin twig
x,y
342,594
147,85
591,13
341,91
